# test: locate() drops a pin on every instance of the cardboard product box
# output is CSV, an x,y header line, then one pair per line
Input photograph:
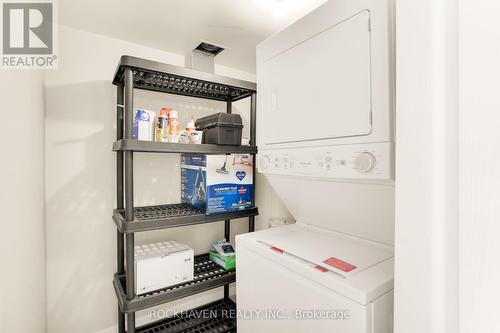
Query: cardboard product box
x,y
217,183
226,262
161,265
144,125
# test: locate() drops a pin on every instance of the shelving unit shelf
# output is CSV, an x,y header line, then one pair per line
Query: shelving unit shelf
x,y
135,73
156,76
163,147
191,322
171,216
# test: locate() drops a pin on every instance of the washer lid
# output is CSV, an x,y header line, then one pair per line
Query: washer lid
x,y
339,253
355,268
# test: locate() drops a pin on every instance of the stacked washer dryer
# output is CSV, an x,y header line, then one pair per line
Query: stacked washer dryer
x,y
327,81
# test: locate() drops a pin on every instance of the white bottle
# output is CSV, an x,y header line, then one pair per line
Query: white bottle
x,y
173,126
190,129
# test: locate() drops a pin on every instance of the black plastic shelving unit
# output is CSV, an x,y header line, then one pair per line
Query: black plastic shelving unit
x,y
135,73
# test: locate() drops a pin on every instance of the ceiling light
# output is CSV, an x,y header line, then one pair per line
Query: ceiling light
x,y
279,8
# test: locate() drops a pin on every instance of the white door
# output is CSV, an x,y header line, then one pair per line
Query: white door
x,y
320,88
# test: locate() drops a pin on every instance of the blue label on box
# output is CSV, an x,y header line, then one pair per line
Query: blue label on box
x,y
194,159
228,197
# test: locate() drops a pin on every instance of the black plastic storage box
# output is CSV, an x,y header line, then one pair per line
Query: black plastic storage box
x,y
221,129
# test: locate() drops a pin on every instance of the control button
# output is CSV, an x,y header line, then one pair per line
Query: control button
x,y
264,162
364,162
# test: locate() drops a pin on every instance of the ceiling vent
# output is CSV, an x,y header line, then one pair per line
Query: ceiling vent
x,y
203,56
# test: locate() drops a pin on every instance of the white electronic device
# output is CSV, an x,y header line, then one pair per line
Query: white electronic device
x,y
328,80
223,247
161,265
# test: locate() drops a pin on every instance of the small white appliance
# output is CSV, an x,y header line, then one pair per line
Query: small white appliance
x,y
161,265
328,80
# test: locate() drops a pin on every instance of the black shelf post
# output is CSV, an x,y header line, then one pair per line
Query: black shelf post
x,y
227,223
120,246
253,123
129,193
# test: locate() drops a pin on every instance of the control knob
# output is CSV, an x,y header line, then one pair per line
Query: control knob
x,y
264,162
364,162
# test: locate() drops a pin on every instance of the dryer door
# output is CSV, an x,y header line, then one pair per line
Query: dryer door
x,y
320,88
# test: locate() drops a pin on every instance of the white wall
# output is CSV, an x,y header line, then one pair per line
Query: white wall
x,y
426,285
479,28
80,178
429,258
22,249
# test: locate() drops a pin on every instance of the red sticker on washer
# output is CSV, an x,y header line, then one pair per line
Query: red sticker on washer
x,y
321,268
339,264
275,249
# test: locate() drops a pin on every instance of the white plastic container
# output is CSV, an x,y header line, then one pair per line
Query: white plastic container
x,y
160,265
196,137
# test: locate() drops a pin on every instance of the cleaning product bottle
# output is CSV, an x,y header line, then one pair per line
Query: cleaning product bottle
x,y
173,126
162,125
190,128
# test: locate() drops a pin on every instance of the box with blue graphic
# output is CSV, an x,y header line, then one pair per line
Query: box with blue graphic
x,y
217,183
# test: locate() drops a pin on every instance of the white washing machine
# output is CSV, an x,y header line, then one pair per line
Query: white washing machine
x,y
302,278
327,81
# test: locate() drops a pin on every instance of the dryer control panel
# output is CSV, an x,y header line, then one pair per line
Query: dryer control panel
x,y
364,161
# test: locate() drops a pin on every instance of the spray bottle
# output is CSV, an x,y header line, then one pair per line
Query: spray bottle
x,y
162,125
